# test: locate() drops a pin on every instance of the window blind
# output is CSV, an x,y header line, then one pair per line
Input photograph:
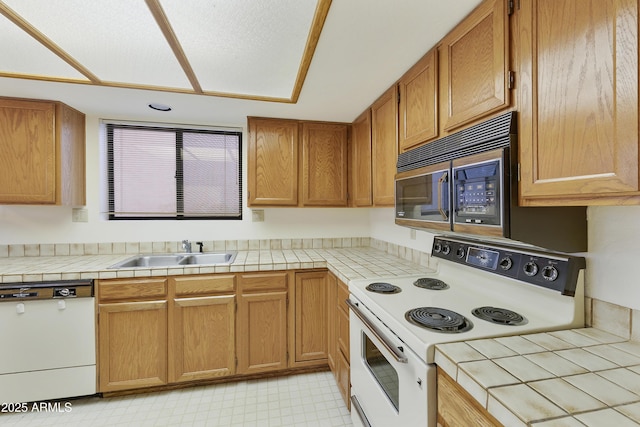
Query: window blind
x,y
177,173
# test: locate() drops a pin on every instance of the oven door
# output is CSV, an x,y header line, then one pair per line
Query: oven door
x,y
423,197
390,385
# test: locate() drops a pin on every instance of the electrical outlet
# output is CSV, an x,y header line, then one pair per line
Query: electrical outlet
x,y
257,215
79,215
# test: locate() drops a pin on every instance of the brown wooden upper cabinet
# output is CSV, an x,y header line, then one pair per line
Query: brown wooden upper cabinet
x,y
324,164
273,162
474,65
418,106
42,153
384,143
578,102
296,163
360,162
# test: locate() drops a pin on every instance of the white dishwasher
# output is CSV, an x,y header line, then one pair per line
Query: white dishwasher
x,y
47,340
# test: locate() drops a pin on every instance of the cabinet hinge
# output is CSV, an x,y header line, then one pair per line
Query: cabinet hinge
x,y
510,7
518,172
512,79
398,97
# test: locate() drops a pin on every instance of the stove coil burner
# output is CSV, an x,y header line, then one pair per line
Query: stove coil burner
x,y
383,288
439,319
432,284
502,316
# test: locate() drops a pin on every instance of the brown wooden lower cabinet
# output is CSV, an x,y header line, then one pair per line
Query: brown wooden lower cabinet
x,y
309,326
339,336
154,332
456,408
133,345
262,322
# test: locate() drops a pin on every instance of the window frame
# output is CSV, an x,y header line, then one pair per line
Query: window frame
x,y
178,131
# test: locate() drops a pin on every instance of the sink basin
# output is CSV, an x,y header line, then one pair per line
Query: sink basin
x,y
211,258
169,260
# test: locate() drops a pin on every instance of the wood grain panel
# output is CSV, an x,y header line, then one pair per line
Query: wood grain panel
x,y
133,345
119,289
71,174
419,103
475,64
324,164
311,317
361,189
384,139
273,162
262,332
27,152
261,282
202,338
204,284
456,408
579,86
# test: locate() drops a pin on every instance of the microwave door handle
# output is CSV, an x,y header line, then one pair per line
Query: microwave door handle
x,y
443,179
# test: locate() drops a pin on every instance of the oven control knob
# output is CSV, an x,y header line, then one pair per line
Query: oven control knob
x,y
549,273
531,268
446,249
460,253
437,247
506,263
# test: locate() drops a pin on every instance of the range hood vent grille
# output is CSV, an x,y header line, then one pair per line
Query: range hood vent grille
x,y
491,134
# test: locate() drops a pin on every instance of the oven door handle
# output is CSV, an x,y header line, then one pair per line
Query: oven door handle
x,y
395,352
359,411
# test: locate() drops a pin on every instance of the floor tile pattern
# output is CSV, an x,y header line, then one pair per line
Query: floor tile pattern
x,y
303,400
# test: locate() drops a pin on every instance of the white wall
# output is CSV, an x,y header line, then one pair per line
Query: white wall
x,y
53,224
613,259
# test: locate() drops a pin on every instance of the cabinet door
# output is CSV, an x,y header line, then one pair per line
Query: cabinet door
x,y
419,103
27,152
202,338
310,321
324,164
273,162
384,140
262,332
579,100
475,60
132,345
361,191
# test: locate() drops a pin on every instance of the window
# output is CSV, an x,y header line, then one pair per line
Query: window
x,y
173,173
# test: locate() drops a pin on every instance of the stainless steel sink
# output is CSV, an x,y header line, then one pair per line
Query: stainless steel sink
x,y
169,260
211,258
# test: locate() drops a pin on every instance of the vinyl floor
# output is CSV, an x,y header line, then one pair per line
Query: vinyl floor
x,y
303,400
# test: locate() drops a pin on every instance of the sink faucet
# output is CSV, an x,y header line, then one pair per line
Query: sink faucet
x,y
186,245
201,245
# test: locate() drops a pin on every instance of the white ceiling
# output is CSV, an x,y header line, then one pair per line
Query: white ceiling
x,y
239,48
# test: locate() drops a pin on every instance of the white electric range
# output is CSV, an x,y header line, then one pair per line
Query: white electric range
x,y
479,290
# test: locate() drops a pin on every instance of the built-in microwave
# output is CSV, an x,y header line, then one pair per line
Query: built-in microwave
x,y
467,183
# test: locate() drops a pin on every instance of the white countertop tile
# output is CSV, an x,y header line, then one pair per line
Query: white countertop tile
x,y
587,360
605,417
603,389
555,364
523,369
566,396
525,403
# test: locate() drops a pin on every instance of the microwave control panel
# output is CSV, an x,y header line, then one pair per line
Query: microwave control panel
x,y
546,269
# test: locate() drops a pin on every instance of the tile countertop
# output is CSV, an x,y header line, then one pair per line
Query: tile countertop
x,y
345,263
556,379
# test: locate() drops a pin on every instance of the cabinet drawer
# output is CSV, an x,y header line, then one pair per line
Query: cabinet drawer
x,y
343,295
258,282
199,285
131,289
